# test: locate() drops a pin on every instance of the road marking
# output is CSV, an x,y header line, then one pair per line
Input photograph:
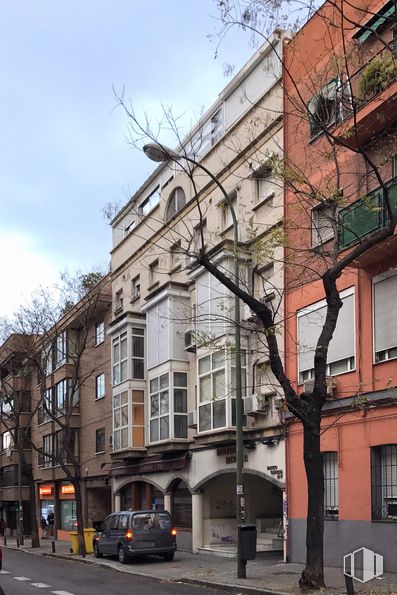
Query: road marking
x,y
40,585
61,593
22,578
4,572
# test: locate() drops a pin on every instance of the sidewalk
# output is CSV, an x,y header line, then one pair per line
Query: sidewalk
x,y
266,574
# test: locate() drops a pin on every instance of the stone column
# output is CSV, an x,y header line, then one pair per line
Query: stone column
x,y
167,502
197,521
117,502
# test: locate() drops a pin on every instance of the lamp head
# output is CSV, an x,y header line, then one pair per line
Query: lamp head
x,y
160,153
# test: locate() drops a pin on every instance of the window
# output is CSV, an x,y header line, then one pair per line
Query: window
x,y
177,256
216,127
323,219
385,316
100,440
7,441
331,496
341,351
264,183
176,202
48,450
100,386
118,301
61,391
135,288
137,350
265,281
200,234
48,405
119,358
324,108
120,420
226,208
128,224
168,407
99,333
47,361
217,384
61,349
384,482
154,272
150,202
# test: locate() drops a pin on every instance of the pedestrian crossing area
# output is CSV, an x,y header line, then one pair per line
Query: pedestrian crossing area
x,y
37,585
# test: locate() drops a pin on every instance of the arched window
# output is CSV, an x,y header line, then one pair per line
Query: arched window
x,y
176,202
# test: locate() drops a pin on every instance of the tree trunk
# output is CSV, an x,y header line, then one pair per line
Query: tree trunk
x,y
32,505
313,574
80,520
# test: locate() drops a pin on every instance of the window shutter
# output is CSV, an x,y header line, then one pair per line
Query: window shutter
x,y
385,313
309,329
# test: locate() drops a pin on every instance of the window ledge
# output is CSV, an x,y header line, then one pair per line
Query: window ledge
x,y
100,452
224,231
100,343
153,286
118,310
135,298
175,269
263,202
100,398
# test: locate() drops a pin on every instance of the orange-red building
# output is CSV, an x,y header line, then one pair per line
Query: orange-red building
x,y
340,122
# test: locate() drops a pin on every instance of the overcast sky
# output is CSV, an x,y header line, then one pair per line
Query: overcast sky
x,y
63,149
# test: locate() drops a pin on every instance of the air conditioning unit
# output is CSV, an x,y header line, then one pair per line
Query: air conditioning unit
x,y
192,419
190,341
257,404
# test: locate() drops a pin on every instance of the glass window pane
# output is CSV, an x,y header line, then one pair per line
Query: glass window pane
x,y
219,384
123,347
164,381
180,426
117,418
180,400
205,417
116,440
123,371
154,430
204,365
116,352
180,379
154,405
116,401
124,438
124,398
137,346
124,415
218,359
137,368
154,385
219,412
116,374
164,402
164,427
205,389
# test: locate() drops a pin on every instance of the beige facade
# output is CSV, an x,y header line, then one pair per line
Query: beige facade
x,y
173,323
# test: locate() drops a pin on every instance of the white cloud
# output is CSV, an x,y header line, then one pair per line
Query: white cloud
x,y
23,268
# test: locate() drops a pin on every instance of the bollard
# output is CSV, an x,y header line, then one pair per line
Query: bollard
x,y
53,546
17,541
5,539
349,585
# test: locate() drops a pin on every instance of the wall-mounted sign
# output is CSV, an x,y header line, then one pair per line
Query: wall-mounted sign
x,y
67,488
230,453
274,470
46,490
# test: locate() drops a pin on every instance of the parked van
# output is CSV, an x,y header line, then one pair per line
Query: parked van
x,y
135,533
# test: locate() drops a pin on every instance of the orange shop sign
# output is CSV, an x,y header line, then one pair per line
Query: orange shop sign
x,y
67,488
46,490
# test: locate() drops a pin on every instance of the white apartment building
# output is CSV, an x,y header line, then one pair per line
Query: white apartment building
x,y
173,358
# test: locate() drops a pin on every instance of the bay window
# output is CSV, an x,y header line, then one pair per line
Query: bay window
x,y
120,420
60,349
168,406
119,358
217,389
137,351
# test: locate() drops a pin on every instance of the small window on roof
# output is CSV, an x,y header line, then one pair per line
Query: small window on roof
x,y
176,202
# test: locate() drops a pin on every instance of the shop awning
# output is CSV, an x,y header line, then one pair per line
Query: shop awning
x,y
152,465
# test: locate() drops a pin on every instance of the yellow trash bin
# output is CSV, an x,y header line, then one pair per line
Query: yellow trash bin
x,y
74,542
89,540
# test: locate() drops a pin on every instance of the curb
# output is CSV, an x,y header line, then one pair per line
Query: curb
x,y
231,588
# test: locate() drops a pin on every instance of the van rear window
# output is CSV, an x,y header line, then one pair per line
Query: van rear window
x,y
157,520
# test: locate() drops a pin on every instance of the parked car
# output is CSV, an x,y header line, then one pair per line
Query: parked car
x,y
135,533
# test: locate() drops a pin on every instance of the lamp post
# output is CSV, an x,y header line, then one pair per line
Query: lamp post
x,y
161,154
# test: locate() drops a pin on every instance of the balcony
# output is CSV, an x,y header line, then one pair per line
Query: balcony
x,y
365,216
373,91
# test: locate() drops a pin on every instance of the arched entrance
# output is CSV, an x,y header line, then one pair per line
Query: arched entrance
x,y
140,495
181,510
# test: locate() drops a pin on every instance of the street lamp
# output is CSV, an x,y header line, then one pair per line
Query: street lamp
x,y
161,154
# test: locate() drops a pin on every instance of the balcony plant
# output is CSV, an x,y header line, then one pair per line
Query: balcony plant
x,y
375,77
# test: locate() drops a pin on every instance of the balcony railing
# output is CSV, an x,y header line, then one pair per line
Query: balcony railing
x,y
366,215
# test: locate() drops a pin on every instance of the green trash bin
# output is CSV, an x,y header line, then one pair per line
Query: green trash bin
x,y
89,540
74,542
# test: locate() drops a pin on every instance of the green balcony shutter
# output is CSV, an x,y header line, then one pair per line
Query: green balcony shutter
x,y
360,219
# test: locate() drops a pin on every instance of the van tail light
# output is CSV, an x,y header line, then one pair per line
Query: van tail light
x,y
173,532
129,535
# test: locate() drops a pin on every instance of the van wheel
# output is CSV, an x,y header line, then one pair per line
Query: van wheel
x,y
168,557
97,553
123,558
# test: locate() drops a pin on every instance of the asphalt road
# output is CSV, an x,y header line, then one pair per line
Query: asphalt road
x,y
27,574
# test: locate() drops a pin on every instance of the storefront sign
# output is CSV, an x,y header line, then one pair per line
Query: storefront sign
x,y
67,488
46,490
274,470
230,453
